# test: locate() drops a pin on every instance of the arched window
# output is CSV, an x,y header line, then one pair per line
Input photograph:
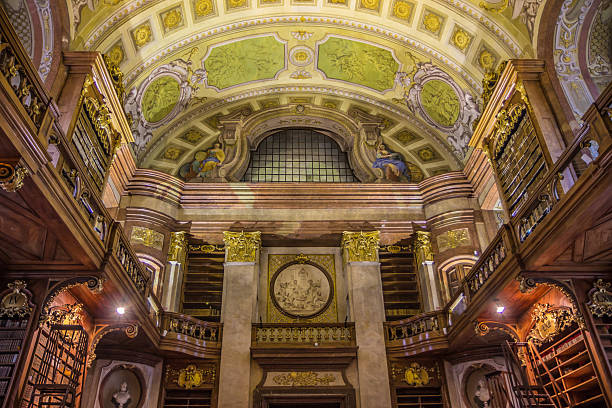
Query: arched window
x,y
299,155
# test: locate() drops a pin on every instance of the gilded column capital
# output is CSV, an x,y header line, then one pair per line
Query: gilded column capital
x,y
422,247
241,246
178,247
361,246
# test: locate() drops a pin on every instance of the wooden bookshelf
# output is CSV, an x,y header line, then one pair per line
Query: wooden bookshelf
x,y
569,363
12,336
188,398
203,282
399,281
422,397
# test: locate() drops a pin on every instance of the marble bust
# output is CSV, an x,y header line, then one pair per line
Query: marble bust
x,y
122,397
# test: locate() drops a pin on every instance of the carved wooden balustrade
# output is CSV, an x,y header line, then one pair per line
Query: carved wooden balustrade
x,y
135,270
189,335
305,334
425,332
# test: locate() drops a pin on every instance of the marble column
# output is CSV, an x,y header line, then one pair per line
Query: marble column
x,y
173,276
368,312
239,305
428,280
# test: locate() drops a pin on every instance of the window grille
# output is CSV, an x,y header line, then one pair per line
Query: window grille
x,y
299,155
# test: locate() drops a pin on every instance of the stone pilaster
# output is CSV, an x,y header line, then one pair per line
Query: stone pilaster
x,y
239,304
173,277
430,291
368,312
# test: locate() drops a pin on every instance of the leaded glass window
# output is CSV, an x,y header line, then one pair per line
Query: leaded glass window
x,y
299,155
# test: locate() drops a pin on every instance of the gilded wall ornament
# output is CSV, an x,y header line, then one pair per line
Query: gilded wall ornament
x,y
301,56
601,299
369,4
548,322
453,239
112,60
489,82
172,19
241,246
147,237
178,246
432,22
303,379
15,303
192,376
414,374
11,177
486,60
422,247
361,246
116,53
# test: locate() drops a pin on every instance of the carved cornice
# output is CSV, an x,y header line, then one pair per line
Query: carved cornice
x,y
241,246
361,246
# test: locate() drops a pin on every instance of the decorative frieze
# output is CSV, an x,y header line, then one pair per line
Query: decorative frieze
x,y
304,379
241,246
415,374
361,246
191,376
453,239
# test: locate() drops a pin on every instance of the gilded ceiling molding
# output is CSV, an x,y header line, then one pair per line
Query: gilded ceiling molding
x,y
117,18
241,246
180,45
526,285
203,109
361,246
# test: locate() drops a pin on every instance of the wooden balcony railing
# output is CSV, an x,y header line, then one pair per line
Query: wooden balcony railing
x,y
425,332
176,324
135,270
305,334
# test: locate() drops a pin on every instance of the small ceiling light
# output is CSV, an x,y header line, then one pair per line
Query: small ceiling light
x,y
500,309
121,310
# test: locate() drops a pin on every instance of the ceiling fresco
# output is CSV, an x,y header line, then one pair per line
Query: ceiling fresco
x,y
415,65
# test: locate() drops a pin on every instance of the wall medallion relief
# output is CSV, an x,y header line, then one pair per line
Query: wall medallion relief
x,y
301,287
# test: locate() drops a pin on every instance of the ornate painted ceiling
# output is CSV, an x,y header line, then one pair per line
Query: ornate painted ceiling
x,y
416,66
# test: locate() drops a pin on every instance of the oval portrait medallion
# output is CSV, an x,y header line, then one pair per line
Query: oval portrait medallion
x,y
301,290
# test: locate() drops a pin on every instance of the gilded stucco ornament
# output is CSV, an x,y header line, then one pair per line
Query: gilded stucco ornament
x,y
241,246
192,376
548,322
414,374
112,61
11,177
15,303
441,102
178,246
303,379
422,247
147,237
526,10
489,82
601,299
361,246
179,83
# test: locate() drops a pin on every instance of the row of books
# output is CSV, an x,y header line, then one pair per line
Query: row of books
x,y
10,344
5,371
3,386
11,323
12,334
8,358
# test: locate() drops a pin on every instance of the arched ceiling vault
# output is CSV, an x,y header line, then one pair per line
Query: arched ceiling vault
x,y
415,64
